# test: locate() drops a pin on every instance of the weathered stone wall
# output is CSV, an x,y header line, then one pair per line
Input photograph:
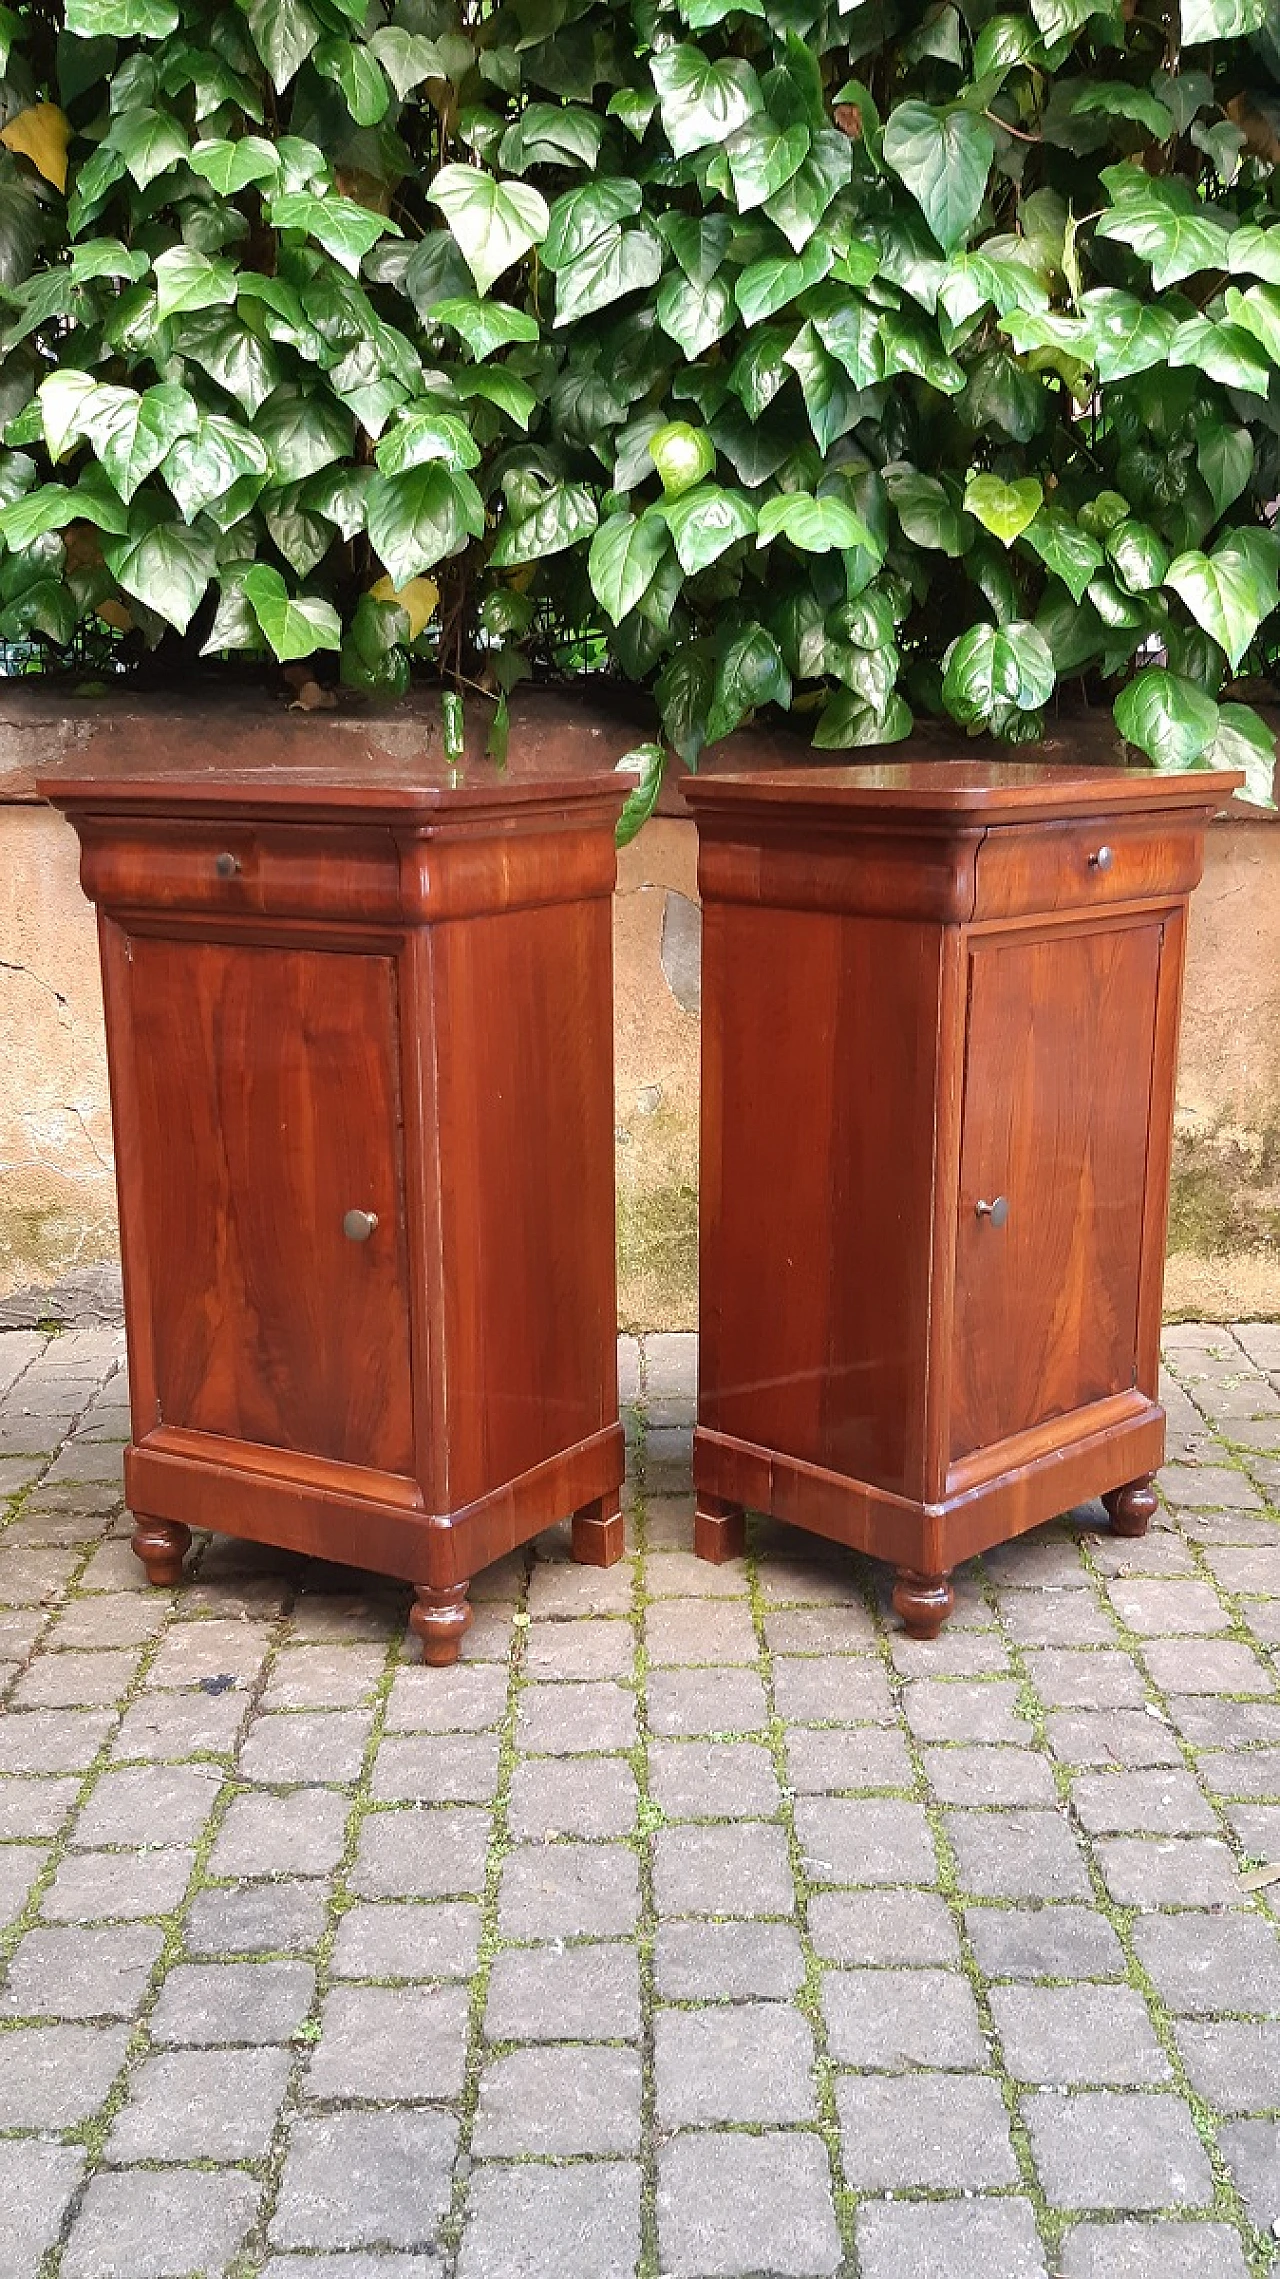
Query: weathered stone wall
x,y
56,1193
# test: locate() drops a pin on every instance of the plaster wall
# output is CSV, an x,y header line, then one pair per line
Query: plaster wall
x,y
57,1206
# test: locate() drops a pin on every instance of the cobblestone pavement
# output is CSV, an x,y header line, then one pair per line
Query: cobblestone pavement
x,y
697,1924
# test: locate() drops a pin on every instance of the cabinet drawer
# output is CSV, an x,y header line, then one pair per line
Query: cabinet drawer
x,y
1024,868
296,870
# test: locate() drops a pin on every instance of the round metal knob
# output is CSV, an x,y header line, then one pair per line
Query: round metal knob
x,y
357,1226
997,1212
227,866
1102,860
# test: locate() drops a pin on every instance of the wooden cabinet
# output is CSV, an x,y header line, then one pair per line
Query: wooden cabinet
x,y
940,1007
359,1028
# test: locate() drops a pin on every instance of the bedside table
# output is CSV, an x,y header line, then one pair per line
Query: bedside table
x,y
940,1013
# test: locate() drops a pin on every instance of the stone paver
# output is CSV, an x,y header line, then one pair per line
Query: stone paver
x,y
731,2204
555,1965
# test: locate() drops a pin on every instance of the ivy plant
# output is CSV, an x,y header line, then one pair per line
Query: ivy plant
x,y
846,358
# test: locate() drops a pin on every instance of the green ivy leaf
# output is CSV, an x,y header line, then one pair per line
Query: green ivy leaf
x,y
1164,223
762,157
1220,19
121,19
619,262
1140,556
498,386
705,522
647,761
229,167
1230,591
485,325
492,222
295,626
1225,458
149,142
167,569
563,516
848,720
343,228
284,33
424,434
417,518
802,202
132,433
815,525
355,70
1167,717
773,282
189,280
1065,549
684,691
927,514
625,553
682,454
944,157
1005,509
1244,741
750,674
303,433
695,315
207,461
994,669
703,102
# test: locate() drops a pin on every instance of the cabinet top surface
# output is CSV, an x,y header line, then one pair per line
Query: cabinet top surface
x,y
198,756
984,790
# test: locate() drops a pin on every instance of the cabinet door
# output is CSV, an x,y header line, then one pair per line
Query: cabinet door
x,y
265,1106
1057,1093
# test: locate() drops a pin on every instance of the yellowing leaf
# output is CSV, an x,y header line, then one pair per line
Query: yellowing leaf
x,y
41,133
418,600
115,613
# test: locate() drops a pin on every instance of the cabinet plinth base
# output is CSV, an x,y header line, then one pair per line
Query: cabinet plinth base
x,y
162,1545
598,1539
923,1601
441,1619
1132,1507
719,1530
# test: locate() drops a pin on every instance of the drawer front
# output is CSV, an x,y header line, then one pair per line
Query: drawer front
x,y
1023,869
298,870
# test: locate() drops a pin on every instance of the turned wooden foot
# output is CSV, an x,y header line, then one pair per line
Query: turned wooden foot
x,y
441,1619
598,1537
719,1530
1132,1507
923,1601
162,1545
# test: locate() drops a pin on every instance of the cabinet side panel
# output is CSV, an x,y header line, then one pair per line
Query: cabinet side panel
x,y
822,1059
265,1106
1058,1079
524,1085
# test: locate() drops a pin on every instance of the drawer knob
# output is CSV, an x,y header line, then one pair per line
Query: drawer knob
x,y
997,1212
227,866
1102,859
357,1226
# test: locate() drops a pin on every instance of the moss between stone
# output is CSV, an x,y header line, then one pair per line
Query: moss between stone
x,y
658,1257
1225,1193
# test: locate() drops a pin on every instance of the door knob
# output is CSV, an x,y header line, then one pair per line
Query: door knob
x,y
357,1226
997,1212
227,866
1102,859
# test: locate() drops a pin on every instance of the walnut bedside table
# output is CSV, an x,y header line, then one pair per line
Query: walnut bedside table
x,y
940,1014
360,1040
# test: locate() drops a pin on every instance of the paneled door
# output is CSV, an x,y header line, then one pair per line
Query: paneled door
x,y
1060,1040
264,1108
